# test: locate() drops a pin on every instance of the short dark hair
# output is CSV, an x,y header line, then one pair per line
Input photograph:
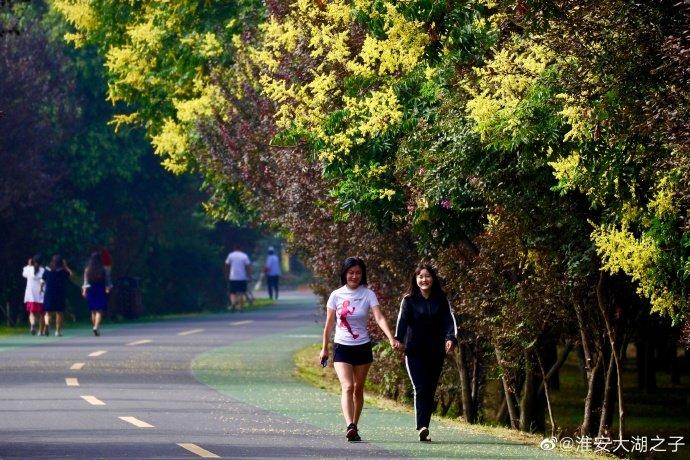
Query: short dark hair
x,y
436,289
56,262
348,264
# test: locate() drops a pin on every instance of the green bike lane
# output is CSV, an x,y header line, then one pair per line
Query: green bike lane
x,y
260,372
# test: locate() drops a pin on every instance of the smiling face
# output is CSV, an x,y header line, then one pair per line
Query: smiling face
x,y
424,281
353,276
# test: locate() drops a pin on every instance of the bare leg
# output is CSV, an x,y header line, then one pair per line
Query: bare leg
x,y
360,375
41,324
347,385
97,318
47,321
32,320
58,322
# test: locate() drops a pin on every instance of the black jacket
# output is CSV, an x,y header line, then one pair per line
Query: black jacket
x,y
424,325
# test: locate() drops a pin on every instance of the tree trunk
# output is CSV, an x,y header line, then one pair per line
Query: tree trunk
x,y
615,354
558,364
510,397
545,385
606,417
531,411
465,386
591,400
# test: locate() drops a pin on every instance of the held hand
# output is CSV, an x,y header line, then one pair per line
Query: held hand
x,y
396,345
449,346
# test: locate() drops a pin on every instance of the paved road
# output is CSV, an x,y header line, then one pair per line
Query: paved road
x,y
219,385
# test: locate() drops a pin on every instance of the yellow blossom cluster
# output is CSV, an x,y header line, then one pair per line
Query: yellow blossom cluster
x,y
81,15
321,37
620,249
502,84
140,62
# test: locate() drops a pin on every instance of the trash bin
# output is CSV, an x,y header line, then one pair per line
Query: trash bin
x,y
126,298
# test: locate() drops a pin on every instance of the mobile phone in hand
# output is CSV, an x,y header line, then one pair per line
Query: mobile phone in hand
x,y
324,361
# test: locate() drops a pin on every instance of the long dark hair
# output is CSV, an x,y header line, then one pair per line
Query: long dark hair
x,y
436,289
95,271
36,262
56,263
348,264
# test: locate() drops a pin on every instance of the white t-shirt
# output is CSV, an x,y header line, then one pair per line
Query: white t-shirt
x,y
33,291
272,265
238,261
352,314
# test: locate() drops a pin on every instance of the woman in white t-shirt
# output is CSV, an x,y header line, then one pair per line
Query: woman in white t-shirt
x,y
348,310
33,295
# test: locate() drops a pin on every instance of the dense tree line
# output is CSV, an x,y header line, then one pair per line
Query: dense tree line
x,y
71,184
537,151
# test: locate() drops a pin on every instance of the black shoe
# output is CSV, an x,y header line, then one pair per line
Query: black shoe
x,y
33,330
47,331
424,435
351,434
96,332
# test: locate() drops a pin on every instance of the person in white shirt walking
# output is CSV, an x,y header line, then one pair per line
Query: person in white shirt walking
x,y
272,271
237,271
348,311
33,295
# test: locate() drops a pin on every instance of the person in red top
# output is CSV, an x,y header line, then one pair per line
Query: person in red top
x,y
106,260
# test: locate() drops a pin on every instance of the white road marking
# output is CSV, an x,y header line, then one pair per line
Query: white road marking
x,y
193,331
93,400
240,323
98,353
71,382
200,451
136,422
76,366
139,342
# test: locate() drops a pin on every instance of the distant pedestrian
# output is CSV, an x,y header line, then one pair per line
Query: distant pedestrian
x,y
348,310
33,295
426,326
95,290
238,269
272,271
107,261
56,279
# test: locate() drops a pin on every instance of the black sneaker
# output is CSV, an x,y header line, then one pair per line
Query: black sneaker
x,y
96,332
424,435
33,330
351,434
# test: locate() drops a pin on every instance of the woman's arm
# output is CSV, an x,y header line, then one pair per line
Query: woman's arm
x,y
451,329
383,324
327,329
403,323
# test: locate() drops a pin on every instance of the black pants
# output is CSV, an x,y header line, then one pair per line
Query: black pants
x,y
424,371
272,282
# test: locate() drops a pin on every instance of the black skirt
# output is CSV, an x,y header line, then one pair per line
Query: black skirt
x,y
353,354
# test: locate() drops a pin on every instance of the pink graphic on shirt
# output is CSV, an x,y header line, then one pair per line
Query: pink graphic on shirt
x,y
344,311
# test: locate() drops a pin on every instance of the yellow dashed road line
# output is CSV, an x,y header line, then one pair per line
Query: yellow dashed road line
x,y
240,323
136,422
193,331
93,400
200,451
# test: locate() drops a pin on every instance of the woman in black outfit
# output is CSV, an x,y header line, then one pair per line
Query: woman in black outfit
x,y
426,326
